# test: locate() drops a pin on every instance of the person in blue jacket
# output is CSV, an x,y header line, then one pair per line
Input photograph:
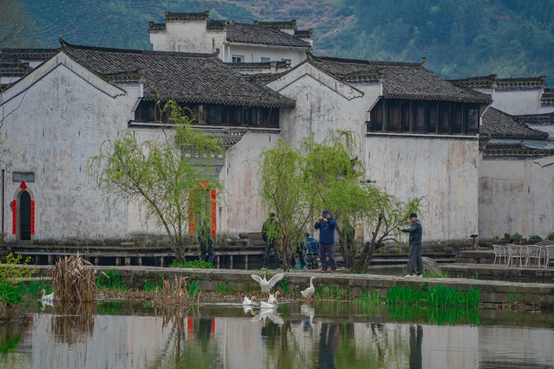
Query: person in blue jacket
x,y
326,225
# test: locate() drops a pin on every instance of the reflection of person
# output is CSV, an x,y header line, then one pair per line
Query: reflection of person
x,y
206,242
271,234
326,225
312,251
327,340
415,246
416,339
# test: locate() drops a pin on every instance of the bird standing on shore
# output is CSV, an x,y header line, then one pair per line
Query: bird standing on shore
x,y
308,292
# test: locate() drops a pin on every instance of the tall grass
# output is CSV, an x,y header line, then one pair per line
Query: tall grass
x,y
368,298
74,279
433,296
194,288
222,288
111,280
433,315
331,292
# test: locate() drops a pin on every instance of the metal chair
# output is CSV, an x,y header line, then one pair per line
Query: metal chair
x,y
500,252
549,254
533,252
516,252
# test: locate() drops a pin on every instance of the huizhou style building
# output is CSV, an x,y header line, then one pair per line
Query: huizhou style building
x,y
420,135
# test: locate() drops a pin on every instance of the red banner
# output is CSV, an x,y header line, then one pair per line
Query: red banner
x,y
214,213
14,214
32,217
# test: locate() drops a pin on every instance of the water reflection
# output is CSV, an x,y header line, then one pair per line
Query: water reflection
x,y
317,335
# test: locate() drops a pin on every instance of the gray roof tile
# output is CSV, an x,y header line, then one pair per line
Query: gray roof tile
x,y
500,125
183,77
262,35
400,80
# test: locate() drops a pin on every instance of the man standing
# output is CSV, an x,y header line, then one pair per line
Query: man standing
x,y
326,225
415,246
271,234
206,242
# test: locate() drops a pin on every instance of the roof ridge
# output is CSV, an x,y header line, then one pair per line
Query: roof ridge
x,y
369,62
66,45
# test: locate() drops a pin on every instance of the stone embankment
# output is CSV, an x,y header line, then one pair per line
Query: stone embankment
x,y
493,291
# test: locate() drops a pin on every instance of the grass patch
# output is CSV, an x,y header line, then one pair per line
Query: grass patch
x,y
432,315
332,292
368,298
194,288
193,264
150,286
433,296
222,288
429,274
111,280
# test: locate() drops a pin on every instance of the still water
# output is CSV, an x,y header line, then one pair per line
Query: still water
x,y
296,335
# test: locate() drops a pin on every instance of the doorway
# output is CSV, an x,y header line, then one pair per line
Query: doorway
x,y
25,216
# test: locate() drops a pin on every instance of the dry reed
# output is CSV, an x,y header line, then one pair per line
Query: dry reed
x,y
70,322
175,294
74,279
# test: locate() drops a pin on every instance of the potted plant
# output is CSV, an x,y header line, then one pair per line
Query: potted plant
x,y
517,238
550,236
496,240
533,239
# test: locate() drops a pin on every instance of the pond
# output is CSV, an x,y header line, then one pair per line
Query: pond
x,y
297,335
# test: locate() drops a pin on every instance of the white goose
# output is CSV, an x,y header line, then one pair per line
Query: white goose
x,y
308,292
273,298
47,298
266,285
248,302
267,305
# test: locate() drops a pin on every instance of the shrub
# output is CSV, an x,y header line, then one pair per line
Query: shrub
x,y
517,236
9,294
13,273
193,264
550,236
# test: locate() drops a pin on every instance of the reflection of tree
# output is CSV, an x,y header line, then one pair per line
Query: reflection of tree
x,y
71,321
416,338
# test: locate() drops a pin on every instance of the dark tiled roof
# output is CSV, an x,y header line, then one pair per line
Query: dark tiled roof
x,y
279,24
262,35
265,78
38,54
183,77
547,118
304,33
516,150
156,27
492,81
499,125
169,16
216,25
400,80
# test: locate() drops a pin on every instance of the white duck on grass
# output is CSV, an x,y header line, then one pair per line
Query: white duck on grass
x,y
308,292
47,298
266,285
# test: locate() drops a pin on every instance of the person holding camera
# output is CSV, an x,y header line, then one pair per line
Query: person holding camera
x,y
415,231
326,225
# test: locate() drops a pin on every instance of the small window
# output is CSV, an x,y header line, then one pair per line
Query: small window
x,y
393,124
406,116
238,58
433,115
265,60
444,118
419,117
458,116
472,120
376,118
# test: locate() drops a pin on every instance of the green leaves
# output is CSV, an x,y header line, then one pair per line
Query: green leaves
x,y
160,171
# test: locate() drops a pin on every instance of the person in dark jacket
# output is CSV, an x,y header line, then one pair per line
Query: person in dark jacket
x,y
271,234
326,225
206,242
416,232
312,251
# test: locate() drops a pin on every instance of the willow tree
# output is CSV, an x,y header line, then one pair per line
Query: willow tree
x,y
284,192
298,183
164,174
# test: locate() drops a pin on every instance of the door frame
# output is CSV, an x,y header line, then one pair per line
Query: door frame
x,y
17,198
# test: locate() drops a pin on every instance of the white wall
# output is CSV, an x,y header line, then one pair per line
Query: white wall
x,y
243,209
443,171
189,36
515,196
517,101
61,121
254,53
